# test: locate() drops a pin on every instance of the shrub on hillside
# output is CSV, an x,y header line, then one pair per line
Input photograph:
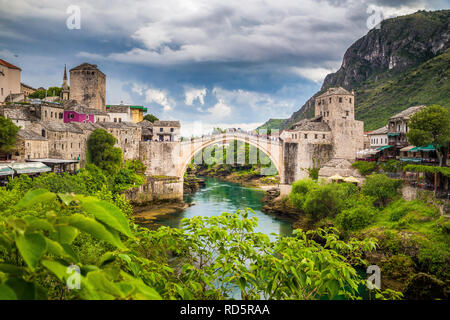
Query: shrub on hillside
x,y
323,201
365,167
299,191
356,218
381,187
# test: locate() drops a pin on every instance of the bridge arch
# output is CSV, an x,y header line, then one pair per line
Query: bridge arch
x,y
272,149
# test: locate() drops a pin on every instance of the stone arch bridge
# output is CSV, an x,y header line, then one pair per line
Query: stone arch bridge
x,y
169,160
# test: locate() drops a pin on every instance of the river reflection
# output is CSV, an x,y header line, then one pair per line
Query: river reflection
x,y
221,196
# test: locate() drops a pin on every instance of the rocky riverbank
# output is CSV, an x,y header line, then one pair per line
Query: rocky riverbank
x,y
146,215
246,176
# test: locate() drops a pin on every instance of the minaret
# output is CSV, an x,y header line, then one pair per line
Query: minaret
x,y
65,87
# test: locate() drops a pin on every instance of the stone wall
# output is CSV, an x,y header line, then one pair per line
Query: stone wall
x,y
160,157
164,188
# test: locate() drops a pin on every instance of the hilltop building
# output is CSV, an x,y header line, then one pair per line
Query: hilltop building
x,y
9,81
88,86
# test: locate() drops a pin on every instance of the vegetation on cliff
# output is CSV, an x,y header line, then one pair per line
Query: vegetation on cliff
x,y
402,64
411,230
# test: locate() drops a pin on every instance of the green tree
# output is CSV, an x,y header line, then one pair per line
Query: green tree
x,y
381,187
102,153
431,126
150,117
8,135
50,92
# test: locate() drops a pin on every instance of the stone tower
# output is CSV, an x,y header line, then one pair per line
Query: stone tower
x,y
65,87
88,86
337,108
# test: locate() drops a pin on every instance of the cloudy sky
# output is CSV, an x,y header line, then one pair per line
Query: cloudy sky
x,y
207,63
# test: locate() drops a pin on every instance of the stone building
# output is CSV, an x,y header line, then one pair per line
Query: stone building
x,y
168,131
65,141
22,116
30,145
88,86
52,112
332,134
9,80
147,130
75,112
378,138
128,135
26,89
337,108
126,113
398,128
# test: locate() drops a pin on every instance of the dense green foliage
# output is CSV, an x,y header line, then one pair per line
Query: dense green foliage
x,y
412,229
365,167
43,235
382,188
8,134
50,92
150,117
430,126
102,153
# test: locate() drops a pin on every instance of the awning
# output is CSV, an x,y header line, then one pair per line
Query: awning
x,y
413,160
426,149
384,148
393,134
351,180
29,167
5,170
408,148
336,177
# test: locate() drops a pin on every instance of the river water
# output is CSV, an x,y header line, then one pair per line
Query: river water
x,y
221,196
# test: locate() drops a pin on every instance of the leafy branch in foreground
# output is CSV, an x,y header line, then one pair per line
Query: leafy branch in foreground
x,y
44,234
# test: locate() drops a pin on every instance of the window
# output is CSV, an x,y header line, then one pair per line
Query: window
x,y
62,146
2,91
60,115
120,119
328,113
323,136
315,136
71,146
330,100
347,113
350,100
306,136
340,100
71,116
51,114
87,117
160,129
115,119
54,146
43,133
171,129
126,140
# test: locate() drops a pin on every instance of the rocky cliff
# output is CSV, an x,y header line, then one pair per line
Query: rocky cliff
x,y
401,48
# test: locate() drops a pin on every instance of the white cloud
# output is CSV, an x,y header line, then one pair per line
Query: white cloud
x,y
314,74
198,128
220,110
192,94
158,96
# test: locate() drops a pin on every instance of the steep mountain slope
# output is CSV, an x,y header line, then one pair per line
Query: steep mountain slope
x,y
404,63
